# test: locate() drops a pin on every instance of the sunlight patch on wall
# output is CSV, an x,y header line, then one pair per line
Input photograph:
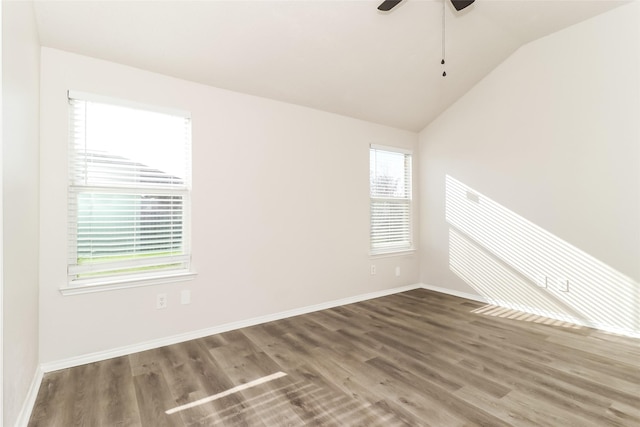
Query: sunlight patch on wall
x,y
499,284
517,264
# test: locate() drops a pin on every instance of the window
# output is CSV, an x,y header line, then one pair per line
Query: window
x,y
129,192
390,192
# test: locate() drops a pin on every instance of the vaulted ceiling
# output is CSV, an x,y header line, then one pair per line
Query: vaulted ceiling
x,y
344,57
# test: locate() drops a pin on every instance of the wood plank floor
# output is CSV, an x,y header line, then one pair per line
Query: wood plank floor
x,y
417,358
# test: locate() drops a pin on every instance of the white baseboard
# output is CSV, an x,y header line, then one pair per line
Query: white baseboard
x,y
538,312
454,293
174,339
30,400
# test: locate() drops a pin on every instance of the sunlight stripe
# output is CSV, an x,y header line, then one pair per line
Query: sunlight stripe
x,y
226,392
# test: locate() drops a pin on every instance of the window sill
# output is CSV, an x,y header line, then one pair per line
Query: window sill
x,y
128,282
402,252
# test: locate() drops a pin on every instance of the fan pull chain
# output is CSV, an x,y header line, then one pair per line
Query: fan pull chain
x,y
444,73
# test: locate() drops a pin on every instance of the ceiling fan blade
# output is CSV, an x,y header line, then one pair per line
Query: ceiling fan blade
x,y
387,5
461,4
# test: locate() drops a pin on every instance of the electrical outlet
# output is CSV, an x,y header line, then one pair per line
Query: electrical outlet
x,y
563,285
397,271
373,269
185,296
542,281
161,301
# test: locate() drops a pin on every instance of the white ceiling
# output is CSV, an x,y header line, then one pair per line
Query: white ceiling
x,y
344,57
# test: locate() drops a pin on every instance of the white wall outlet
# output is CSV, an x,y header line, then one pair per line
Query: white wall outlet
x,y
185,296
373,269
161,301
563,285
397,271
542,281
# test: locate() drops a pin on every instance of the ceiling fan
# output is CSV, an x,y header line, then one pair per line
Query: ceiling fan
x,y
387,5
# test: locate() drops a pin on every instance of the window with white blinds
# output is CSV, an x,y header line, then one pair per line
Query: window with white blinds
x,y
129,191
390,192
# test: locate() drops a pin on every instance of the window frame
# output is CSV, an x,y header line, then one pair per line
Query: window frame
x,y
120,279
405,246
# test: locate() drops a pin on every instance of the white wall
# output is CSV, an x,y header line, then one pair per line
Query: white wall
x,y
280,211
20,163
550,143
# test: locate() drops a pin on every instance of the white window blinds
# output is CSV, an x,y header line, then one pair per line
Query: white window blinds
x,y
129,188
390,193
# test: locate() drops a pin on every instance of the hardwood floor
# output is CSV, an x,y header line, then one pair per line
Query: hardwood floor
x,y
417,358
